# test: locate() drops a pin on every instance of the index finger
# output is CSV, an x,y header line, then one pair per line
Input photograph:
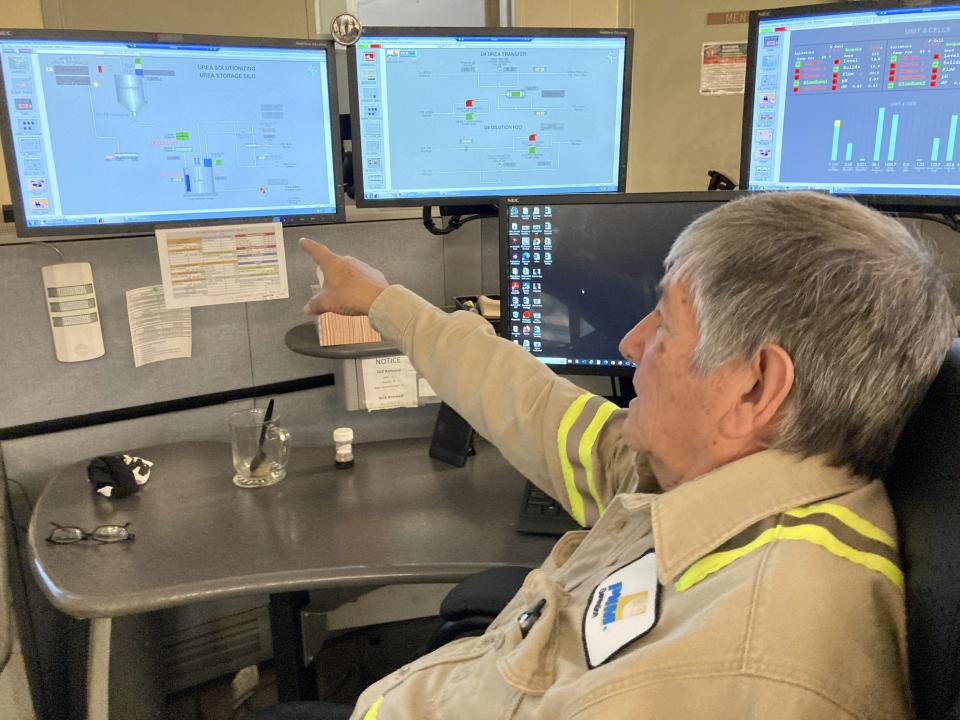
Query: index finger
x,y
318,251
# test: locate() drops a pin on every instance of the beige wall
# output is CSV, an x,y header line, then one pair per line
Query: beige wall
x,y
277,18
572,13
16,14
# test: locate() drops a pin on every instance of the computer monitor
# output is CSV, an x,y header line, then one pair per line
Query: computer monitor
x,y
111,133
577,272
855,98
445,116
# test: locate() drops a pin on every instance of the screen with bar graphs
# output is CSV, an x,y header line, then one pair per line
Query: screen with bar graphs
x,y
854,100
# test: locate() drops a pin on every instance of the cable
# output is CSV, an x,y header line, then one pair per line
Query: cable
x,y
49,247
454,223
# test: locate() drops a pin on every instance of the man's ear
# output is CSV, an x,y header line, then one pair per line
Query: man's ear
x,y
765,384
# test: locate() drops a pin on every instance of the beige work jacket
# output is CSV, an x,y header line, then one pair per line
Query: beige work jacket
x,y
775,592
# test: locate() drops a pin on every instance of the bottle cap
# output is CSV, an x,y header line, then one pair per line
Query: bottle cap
x,y
343,435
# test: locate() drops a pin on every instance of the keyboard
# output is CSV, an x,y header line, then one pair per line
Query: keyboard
x,y
540,514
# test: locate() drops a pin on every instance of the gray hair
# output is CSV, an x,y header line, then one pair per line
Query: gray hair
x,y
857,302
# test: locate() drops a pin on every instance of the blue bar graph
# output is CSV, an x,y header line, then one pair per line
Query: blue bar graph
x,y
879,136
836,140
849,155
186,179
951,138
935,152
894,123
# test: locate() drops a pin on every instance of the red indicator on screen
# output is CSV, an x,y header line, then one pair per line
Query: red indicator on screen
x,y
533,136
99,68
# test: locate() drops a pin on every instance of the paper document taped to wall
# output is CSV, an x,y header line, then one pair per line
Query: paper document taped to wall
x,y
218,264
723,67
156,332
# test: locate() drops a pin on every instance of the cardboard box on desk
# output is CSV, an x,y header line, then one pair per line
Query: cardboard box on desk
x,y
334,329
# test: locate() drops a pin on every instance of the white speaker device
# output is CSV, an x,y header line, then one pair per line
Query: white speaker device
x,y
74,316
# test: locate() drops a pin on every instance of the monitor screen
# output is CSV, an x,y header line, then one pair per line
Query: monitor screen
x,y
122,132
854,98
576,273
458,116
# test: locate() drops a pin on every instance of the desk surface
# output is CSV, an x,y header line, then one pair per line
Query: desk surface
x,y
397,516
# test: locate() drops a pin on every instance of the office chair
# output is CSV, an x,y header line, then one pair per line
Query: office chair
x,y
923,483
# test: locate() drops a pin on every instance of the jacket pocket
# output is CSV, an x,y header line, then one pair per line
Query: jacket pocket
x,y
529,662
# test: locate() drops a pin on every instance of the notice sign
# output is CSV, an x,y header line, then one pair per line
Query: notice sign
x,y
389,382
723,66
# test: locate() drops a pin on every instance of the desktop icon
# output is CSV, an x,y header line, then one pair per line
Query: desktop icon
x,y
547,211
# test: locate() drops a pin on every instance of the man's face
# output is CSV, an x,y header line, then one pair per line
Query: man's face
x,y
675,416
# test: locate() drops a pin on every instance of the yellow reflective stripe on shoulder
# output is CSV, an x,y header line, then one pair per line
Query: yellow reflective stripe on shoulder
x,y
566,422
374,710
808,532
849,518
587,442
825,539
717,561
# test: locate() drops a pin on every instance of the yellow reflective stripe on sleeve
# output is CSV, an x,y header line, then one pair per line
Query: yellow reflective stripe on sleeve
x,y
374,710
849,518
807,532
587,442
566,422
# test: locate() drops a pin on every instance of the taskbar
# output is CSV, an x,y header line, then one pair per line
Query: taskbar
x,y
92,220
594,362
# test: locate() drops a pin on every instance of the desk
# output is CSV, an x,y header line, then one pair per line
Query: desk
x,y
397,516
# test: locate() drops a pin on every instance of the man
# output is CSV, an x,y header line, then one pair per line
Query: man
x,y
742,560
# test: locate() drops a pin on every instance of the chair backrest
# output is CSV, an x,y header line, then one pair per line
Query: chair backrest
x,y
924,486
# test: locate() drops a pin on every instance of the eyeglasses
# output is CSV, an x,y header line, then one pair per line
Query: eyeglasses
x,y
66,534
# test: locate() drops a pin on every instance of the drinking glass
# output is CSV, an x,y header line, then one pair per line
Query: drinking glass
x,y
260,448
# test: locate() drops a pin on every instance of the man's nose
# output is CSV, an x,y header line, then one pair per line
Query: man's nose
x,y
633,343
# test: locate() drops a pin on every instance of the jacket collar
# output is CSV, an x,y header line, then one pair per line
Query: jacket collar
x,y
700,515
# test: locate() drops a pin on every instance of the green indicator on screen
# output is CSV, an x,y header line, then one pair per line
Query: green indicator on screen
x,y
515,93
219,161
183,136
469,116
532,151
